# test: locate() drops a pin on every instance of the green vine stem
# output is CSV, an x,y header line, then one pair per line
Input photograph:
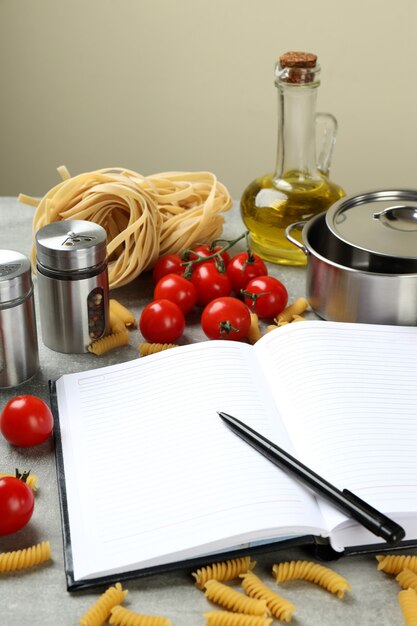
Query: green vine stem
x,y
216,256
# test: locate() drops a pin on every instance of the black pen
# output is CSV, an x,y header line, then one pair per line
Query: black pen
x,y
346,501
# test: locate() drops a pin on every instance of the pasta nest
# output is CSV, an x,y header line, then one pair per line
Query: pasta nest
x,y
144,217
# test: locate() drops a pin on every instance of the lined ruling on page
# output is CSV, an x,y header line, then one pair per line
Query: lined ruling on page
x,y
147,458
348,396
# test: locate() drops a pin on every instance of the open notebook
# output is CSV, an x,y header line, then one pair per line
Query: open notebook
x,y
150,476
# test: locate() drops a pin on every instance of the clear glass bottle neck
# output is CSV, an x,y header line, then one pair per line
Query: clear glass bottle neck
x,y
296,144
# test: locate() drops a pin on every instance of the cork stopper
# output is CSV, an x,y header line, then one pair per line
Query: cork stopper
x,y
298,67
298,59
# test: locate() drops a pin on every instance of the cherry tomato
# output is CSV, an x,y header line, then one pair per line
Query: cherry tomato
x,y
210,283
162,321
168,264
177,289
206,251
26,421
266,296
243,267
16,504
226,318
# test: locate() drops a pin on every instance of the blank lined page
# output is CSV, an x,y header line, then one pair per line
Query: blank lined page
x,y
348,397
151,470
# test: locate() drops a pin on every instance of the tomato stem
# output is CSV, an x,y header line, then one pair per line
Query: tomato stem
x,y
226,328
216,256
23,476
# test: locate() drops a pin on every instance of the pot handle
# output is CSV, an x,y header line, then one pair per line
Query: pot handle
x,y
296,226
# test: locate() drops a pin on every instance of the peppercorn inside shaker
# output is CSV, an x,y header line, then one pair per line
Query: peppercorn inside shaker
x,y
19,357
73,284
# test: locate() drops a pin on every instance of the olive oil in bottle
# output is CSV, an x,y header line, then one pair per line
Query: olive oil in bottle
x,y
299,188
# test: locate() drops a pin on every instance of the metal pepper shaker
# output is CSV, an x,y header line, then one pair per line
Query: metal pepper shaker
x,y
73,284
19,357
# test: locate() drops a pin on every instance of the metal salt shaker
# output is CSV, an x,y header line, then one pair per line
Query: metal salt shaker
x,y
19,357
73,284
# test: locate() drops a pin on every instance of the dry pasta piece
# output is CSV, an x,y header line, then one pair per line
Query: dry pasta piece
x,y
408,603
298,318
152,348
254,330
394,563
120,311
125,617
296,308
117,325
313,572
111,342
222,571
31,480
279,607
144,217
28,557
233,600
98,613
226,618
407,579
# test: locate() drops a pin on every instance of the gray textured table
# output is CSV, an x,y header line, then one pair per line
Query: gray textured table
x,y
38,596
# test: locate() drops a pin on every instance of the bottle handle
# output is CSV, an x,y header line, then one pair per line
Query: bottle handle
x,y
326,131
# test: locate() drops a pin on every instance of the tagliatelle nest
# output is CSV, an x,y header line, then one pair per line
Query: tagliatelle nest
x,y
145,217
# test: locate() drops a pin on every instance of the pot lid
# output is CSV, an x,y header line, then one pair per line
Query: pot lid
x,y
381,222
71,245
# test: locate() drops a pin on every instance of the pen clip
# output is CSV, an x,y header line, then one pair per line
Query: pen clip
x,y
388,529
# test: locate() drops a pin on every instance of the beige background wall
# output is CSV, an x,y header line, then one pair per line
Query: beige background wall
x,y
154,85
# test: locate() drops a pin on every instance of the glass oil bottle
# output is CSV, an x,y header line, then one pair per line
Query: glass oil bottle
x,y
300,187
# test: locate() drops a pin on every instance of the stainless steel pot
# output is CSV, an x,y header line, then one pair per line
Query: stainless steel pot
x,y
362,258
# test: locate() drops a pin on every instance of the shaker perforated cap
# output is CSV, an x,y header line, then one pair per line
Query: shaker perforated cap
x,y
71,245
15,277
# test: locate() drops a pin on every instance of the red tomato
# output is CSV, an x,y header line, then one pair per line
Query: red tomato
x,y
168,264
266,296
206,251
26,421
210,283
226,318
243,267
16,504
162,321
177,289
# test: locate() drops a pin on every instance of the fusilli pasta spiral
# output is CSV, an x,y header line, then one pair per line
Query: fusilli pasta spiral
x,y
100,610
394,563
313,572
233,600
225,570
22,559
408,603
226,618
124,617
278,606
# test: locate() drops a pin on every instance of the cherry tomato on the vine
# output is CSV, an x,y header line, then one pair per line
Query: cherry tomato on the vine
x,y
226,318
243,267
266,296
168,264
16,504
26,421
162,321
177,289
206,251
210,283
